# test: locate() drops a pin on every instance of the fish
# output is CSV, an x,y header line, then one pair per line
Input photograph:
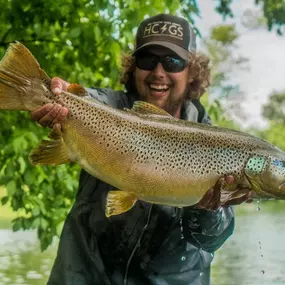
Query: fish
x,y
143,152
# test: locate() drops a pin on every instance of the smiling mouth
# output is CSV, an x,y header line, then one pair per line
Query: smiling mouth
x,y
158,88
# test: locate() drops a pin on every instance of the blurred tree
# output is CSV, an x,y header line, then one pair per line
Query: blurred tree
x,y
274,111
273,12
274,134
222,49
81,41
225,60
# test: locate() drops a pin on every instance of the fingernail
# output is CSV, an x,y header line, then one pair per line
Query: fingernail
x,y
49,107
63,111
56,90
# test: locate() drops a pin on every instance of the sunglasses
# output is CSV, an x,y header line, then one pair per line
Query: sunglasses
x,y
148,61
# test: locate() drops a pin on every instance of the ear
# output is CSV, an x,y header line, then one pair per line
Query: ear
x,y
190,78
134,72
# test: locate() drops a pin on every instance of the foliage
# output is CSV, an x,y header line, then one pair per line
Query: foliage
x,y
217,113
274,134
273,12
41,194
225,60
80,41
274,110
222,51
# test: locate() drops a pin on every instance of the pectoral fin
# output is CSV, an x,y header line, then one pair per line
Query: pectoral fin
x,y
148,109
51,152
77,89
119,202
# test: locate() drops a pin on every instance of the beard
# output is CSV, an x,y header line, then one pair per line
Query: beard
x,y
172,105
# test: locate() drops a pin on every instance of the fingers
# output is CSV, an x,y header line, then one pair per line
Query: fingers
x,y
239,200
215,201
61,115
50,114
229,179
211,200
57,85
47,120
39,113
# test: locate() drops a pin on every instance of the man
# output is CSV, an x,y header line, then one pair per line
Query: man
x,y
150,244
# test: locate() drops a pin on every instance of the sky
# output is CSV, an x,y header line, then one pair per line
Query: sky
x,y
265,51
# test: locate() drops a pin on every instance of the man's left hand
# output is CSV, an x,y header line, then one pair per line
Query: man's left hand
x,y
211,201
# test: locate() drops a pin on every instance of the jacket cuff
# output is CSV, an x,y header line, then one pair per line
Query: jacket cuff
x,y
207,229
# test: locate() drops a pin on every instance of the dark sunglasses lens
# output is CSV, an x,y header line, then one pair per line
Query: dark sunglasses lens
x,y
146,61
173,64
170,64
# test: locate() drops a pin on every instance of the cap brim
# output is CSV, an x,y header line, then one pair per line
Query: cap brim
x,y
177,49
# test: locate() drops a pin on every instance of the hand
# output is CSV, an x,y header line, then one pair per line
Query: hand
x,y
212,199
52,114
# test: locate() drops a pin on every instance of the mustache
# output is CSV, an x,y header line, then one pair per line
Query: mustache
x,y
154,77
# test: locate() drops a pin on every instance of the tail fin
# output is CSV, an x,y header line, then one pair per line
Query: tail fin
x,y
23,84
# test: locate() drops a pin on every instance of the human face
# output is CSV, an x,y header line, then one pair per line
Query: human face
x,y
164,89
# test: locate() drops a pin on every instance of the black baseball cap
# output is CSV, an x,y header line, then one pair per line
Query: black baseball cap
x,y
169,31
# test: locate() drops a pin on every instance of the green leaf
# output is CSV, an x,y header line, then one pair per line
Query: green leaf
x,y
17,224
11,188
44,223
97,33
4,200
36,223
75,32
22,164
36,211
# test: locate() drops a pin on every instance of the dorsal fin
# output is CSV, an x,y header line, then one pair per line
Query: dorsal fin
x,y
146,108
77,89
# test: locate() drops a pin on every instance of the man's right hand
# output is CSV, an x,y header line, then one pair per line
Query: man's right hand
x,y
51,114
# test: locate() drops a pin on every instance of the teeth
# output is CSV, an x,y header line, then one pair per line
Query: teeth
x,y
158,87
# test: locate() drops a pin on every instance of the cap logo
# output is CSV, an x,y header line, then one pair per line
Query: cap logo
x,y
164,28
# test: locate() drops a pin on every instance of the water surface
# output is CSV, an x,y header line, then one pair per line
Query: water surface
x,y
254,255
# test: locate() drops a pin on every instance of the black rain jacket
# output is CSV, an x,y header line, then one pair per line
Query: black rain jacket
x,y
149,244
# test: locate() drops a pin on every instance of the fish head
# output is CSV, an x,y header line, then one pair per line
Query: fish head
x,y
267,175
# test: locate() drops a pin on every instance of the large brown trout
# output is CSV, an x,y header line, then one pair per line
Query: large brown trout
x,y
143,152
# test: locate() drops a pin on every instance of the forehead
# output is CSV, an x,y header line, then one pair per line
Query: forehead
x,y
159,50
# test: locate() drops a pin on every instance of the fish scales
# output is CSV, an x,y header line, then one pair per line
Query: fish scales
x,y
143,152
160,153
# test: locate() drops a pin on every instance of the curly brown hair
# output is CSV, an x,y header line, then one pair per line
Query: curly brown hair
x,y
199,70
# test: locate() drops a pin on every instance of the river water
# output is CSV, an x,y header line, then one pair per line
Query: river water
x,y
254,255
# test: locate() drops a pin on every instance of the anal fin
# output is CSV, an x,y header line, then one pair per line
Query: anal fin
x,y
119,202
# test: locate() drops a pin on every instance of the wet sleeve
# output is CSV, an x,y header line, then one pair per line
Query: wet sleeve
x,y
208,229
78,260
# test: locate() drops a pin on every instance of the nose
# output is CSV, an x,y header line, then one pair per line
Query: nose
x,y
159,70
